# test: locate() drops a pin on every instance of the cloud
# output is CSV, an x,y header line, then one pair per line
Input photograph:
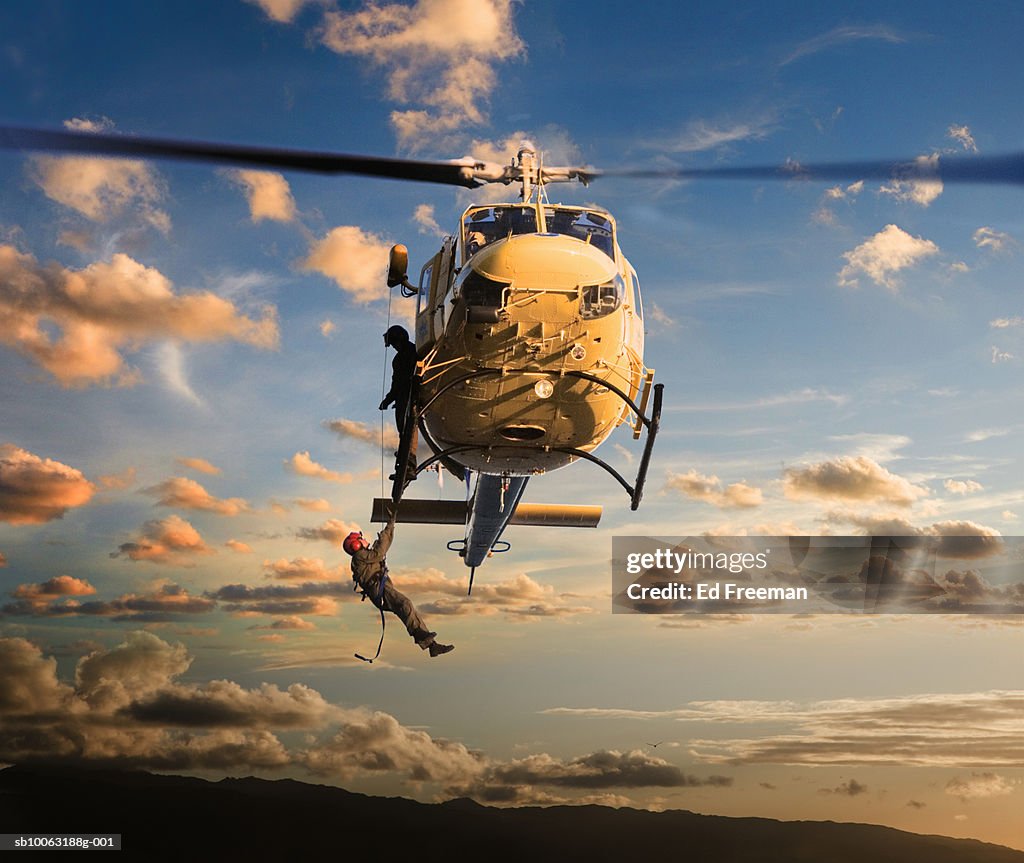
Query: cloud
x,y
803,396
993,240
963,136
183,493
290,622
841,36
602,769
28,682
117,481
424,217
101,188
362,432
980,729
327,326
824,214
310,597
170,362
223,703
985,434
239,546
333,530
970,591
104,309
850,478
880,447
313,504
302,464
355,259
838,193
199,464
38,596
657,314
3,560
694,485
267,193
127,707
282,11
978,786
849,789
438,54
163,603
1005,323
303,567
916,190
60,585
518,598
956,486
965,540
171,541
376,742
960,539
34,490
700,135
885,254
999,356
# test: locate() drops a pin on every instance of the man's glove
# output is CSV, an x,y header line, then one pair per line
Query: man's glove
x,y
385,404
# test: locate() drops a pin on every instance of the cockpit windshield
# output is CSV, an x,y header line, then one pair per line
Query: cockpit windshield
x,y
487,224
482,226
591,226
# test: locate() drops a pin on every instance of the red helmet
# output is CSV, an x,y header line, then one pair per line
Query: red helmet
x,y
353,542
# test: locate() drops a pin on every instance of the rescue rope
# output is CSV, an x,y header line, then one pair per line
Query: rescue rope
x,y
383,383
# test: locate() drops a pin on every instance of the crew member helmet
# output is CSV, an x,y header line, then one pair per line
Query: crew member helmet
x,y
396,335
353,542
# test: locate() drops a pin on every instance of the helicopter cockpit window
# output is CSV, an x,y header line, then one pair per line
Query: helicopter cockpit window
x,y
596,301
479,291
423,296
487,224
590,226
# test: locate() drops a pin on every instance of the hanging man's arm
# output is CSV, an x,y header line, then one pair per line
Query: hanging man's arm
x,y
386,536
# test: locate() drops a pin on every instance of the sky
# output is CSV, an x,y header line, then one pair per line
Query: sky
x,y
191,362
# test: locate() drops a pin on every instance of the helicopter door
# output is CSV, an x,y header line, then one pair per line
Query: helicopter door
x,y
424,309
445,264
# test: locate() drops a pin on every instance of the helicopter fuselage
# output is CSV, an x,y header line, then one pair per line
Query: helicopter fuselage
x,y
523,322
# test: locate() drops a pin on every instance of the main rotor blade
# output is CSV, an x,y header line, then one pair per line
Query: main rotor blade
x,y
102,144
1007,168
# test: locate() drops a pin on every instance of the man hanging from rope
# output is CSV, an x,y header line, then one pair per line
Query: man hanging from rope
x,y
370,573
403,371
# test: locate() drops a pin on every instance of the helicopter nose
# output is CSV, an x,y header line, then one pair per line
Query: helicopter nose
x,y
537,261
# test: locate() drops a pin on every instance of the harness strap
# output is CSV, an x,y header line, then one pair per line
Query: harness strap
x,y
380,606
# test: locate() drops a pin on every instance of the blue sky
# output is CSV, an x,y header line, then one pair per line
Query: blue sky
x,y
838,357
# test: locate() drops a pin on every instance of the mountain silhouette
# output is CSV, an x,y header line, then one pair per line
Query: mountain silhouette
x,y
184,818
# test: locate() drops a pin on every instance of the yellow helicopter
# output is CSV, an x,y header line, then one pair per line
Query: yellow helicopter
x,y
530,334
529,325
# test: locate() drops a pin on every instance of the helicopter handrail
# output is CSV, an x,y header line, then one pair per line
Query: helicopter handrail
x,y
441,366
652,423
648,379
634,491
